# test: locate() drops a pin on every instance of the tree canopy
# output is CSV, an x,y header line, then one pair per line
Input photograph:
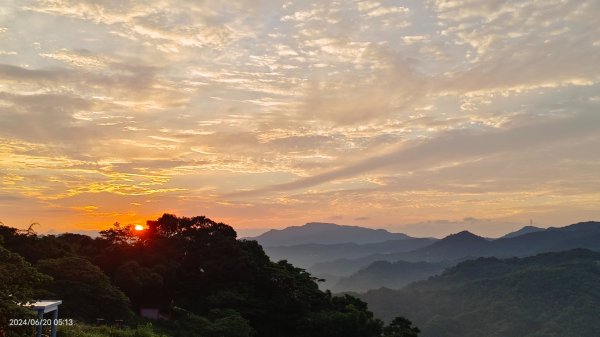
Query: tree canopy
x,y
18,281
195,271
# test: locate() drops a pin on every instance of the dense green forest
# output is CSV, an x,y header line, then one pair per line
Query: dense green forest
x,y
195,270
547,295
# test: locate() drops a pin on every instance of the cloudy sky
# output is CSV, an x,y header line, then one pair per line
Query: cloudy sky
x,y
424,116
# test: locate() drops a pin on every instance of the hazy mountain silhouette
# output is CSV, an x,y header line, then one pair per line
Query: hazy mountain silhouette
x,y
325,233
580,235
452,247
306,255
449,249
524,230
393,275
464,245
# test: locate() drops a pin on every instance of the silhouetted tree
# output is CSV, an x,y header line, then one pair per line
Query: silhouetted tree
x,y
119,234
400,327
224,286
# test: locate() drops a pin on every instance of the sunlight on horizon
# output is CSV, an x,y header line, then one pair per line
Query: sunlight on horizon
x,y
414,116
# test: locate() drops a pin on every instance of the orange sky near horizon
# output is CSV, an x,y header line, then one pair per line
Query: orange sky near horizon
x,y
424,117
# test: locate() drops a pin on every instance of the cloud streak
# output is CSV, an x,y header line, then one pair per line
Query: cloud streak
x,y
456,146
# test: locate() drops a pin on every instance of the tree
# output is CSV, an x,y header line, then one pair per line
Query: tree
x,y
346,316
31,246
86,291
119,234
400,327
143,285
18,280
226,286
219,323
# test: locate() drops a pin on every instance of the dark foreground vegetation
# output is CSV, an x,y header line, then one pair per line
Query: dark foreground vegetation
x,y
547,295
204,281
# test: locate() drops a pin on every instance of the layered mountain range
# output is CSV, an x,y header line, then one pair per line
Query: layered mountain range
x,y
350,257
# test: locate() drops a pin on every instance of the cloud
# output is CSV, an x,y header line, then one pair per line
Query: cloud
x,y
361,108
545,50
458,146
392,88
11,72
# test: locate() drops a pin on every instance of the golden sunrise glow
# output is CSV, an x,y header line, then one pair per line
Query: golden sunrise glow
x,y
139,228
420,116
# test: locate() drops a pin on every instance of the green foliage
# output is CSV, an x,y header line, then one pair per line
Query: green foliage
x,y
550,295
143,285
85,290
18,279
84,330
30,246
216,271
221,323
347,316
400,327
222,285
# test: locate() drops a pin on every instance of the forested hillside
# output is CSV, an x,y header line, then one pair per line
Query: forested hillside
x,y
203,280
547,295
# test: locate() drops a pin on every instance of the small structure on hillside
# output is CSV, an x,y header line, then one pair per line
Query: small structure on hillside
x,y
150,313
153,313
43,307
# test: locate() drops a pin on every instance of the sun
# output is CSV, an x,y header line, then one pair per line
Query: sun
x,y
138,227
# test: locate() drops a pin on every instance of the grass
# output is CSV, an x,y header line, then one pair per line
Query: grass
x,y
84,330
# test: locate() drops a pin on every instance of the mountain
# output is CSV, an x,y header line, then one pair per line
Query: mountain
x,y
393,275
524,230
579,235
465,245
325,233
450,249
547,295
306,255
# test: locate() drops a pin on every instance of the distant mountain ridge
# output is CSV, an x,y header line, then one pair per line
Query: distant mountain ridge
x,y
451,249
306,255
454,246
522,231
465,245
325,233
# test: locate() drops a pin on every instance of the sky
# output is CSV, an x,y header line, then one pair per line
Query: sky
x,y
424,117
